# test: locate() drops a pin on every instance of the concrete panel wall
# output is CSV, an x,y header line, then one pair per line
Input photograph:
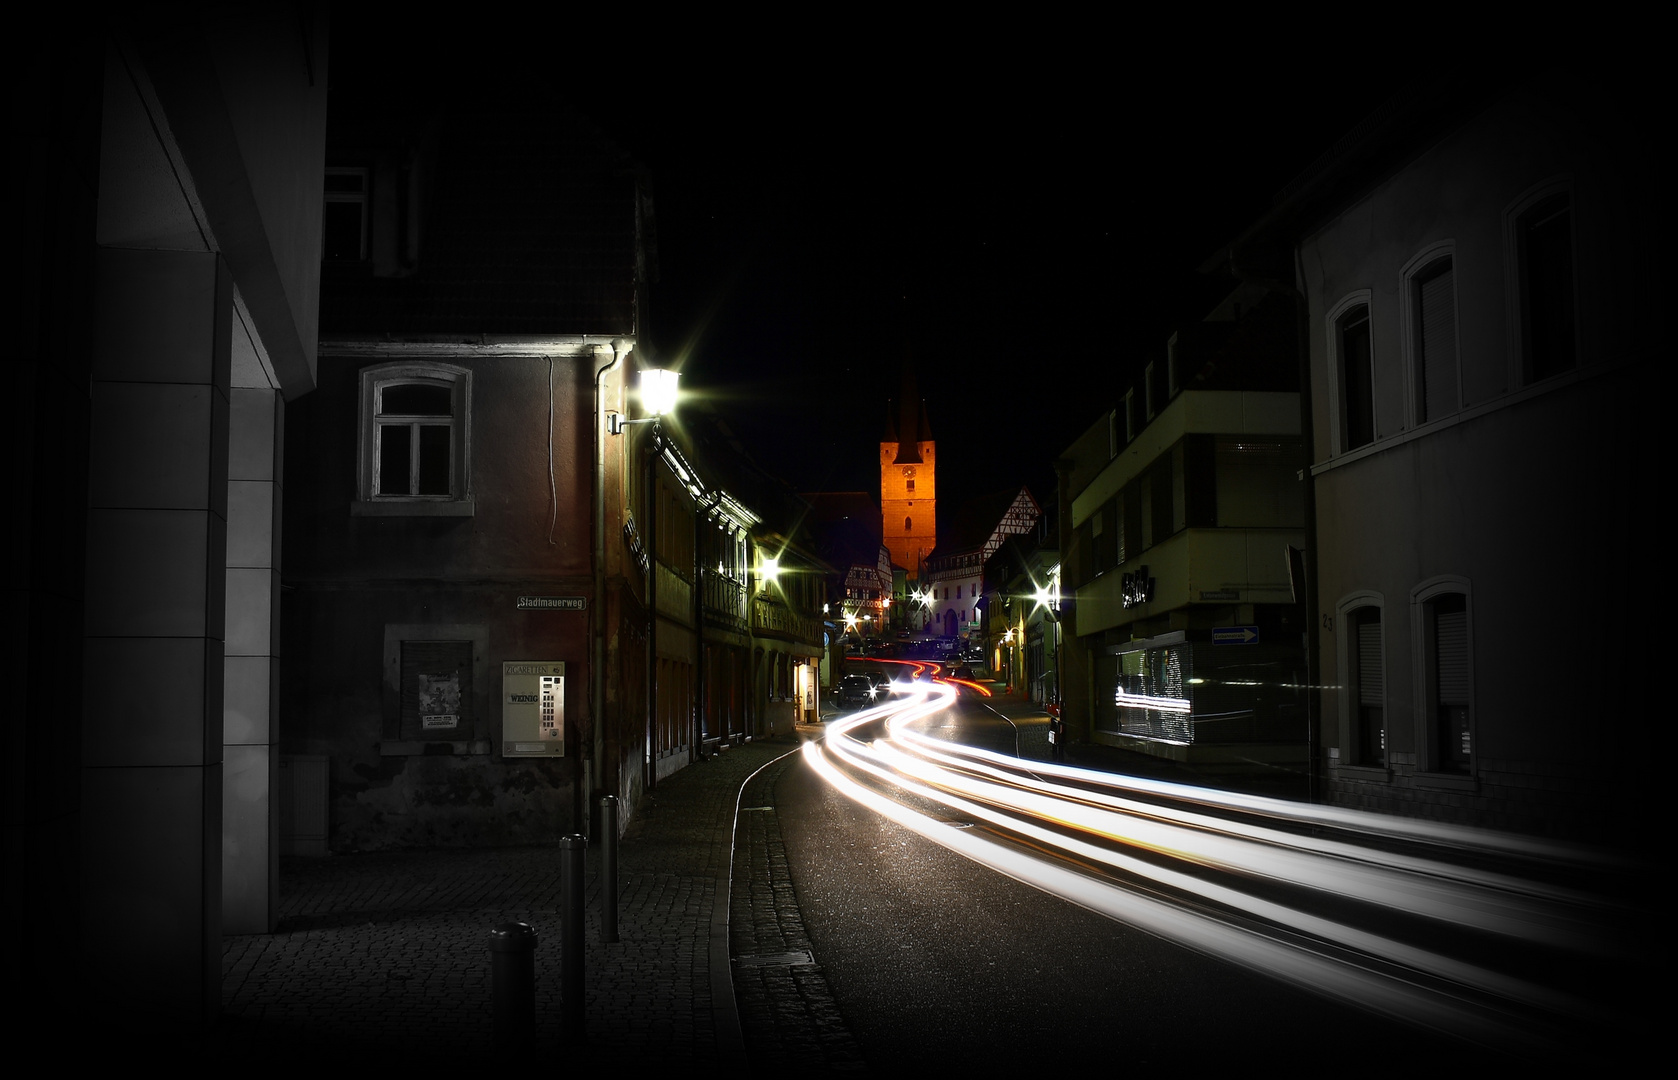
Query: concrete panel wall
x,y
154,623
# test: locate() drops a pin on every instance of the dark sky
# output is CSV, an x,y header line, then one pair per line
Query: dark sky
x,y
1027,245
1024,231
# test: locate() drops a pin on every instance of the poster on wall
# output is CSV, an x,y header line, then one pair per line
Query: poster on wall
x,y
439,701
533,708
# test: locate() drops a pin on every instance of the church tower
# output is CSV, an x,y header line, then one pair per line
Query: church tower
x,y
908,482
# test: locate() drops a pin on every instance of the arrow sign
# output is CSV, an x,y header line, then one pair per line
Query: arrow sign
x,y
1235,635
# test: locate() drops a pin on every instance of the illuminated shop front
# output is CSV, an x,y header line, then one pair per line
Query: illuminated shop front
x,y
1172,690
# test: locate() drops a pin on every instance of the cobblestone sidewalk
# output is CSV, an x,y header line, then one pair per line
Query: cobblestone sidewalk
x,y
385,956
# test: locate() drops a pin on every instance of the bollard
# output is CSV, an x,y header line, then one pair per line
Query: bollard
x,y
572,1005
608,868
512,948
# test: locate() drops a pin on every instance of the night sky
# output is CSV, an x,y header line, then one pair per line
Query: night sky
x,y
1025,230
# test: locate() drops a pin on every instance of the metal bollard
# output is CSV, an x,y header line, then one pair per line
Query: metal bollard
x,y
512,948
608,868
572,1005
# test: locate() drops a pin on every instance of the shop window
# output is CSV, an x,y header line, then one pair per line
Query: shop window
x,y
415,440
1431,295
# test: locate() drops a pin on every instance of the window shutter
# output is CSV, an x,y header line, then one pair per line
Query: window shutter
x,y
1451,639
1369,660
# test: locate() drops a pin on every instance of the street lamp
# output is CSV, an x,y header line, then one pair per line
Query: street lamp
x,y
658,396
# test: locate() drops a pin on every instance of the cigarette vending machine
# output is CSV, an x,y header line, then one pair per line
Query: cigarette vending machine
x,y
533,708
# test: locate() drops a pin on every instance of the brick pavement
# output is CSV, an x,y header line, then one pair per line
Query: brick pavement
x,y
384,956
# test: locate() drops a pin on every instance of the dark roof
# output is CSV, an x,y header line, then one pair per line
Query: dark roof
x,y
844,527
967,525
487,221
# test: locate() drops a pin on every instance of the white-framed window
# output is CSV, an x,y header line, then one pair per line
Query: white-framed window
x,y
1363,682
415,440
1429,296
345,220
1540,244
1351,372
1440,614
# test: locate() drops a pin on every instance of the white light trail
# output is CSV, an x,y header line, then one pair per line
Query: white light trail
x,y
1163,833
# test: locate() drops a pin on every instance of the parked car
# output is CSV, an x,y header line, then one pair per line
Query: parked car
x,y
856,690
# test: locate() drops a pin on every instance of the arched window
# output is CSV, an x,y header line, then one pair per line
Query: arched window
x,y
908,526
1357,379
1363,681
1440,614
415,439
1431,328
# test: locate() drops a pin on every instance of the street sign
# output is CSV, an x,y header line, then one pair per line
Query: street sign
x,y
1235,635
552,603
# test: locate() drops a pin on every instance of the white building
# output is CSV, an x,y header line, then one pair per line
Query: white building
x,y
1480,304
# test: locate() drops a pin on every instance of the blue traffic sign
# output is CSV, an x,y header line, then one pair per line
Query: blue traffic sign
x,y
1235,635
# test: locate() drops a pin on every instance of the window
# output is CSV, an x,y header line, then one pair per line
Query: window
x,y
1543,242
415,440
344,219
1446,688
1363,732
436,690
1355,368
1431,296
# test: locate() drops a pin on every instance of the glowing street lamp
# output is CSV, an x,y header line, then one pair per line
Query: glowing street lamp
x,y
658,397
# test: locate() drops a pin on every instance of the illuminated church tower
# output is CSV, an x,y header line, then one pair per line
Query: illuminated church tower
x,y
908,482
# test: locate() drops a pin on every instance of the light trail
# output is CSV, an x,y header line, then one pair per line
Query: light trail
x,y
1253,880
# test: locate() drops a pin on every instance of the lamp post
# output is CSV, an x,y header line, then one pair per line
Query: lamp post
x,y
658,397
1048,597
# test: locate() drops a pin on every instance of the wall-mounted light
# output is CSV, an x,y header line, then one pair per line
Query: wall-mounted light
x,y
658,396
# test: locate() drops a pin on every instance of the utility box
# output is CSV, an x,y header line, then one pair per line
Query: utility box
x,y
532,708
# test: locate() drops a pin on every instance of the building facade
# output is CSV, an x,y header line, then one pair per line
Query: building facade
x,y
1185,503
491,589
168,281
1478,276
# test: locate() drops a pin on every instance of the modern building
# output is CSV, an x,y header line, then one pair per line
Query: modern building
x,y
1476,269
171,164
1185,503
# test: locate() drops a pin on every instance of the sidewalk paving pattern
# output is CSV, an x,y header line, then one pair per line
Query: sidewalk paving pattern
x,y
386,955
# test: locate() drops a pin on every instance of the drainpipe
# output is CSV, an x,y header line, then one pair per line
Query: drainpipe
x,y
606,359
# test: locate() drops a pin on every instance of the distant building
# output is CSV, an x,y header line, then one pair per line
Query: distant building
x,y
909,483
1024,613
955,570
843,529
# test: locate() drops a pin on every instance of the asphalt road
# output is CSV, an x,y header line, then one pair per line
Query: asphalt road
x,y
935,961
